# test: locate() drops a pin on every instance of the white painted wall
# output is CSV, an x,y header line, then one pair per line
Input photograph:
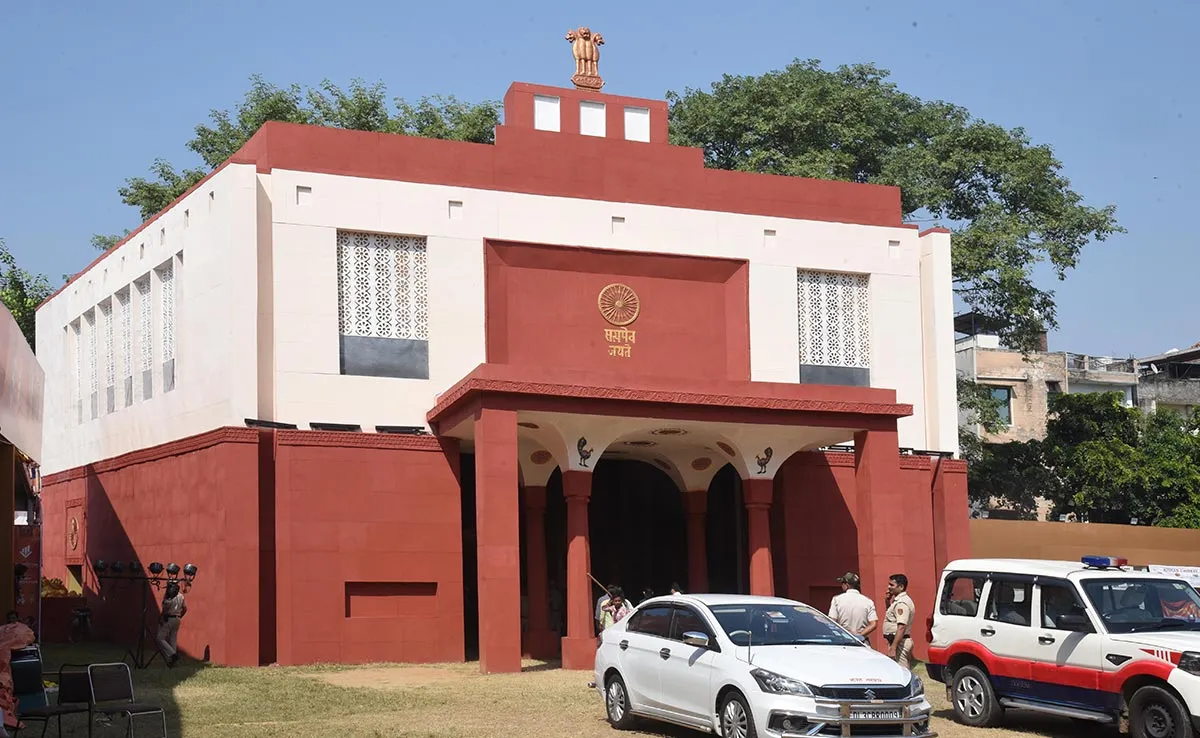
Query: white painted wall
x,y
259,301
215,345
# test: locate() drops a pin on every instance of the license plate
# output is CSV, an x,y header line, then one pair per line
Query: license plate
x,y
875,714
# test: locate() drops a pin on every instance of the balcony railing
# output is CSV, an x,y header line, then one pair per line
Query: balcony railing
x,y
1084,363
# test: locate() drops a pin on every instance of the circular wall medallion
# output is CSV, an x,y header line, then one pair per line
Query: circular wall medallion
x,y
73,533
701,463
641,444
669,432
541,456
619,304
725,447
527,424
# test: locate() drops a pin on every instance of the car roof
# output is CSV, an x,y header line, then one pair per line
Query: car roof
x,y
722,599
1043,567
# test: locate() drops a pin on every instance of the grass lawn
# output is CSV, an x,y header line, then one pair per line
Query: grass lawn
x,y
440,701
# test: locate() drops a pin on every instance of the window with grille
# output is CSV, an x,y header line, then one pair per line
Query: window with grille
x,y
125,344
145,336
834,316
109,394
77,375
89,320
383,305
166,295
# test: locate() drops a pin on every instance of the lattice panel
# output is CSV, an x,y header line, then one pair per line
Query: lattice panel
x,y
93,378
834,311
383,286
144,318
166,280
108,353
125,330
77,339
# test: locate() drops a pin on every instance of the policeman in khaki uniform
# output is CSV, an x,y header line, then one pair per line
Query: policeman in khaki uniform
x,y
898,620
853,610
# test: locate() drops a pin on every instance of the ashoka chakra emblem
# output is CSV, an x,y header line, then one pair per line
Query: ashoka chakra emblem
x,y
619,304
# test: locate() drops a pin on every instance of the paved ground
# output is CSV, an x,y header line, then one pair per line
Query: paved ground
x,y
441,701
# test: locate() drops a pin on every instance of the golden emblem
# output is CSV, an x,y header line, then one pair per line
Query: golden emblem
x,y
585,45
619,304
73,533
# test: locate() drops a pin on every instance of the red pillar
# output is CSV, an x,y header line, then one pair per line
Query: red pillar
x,y
696,504
951,529
579,645
879,512
498,540
538,639
758,494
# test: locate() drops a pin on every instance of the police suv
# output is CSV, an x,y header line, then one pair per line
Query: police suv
x,y
1094,641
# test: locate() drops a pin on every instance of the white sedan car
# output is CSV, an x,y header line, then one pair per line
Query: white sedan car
x,y
743,666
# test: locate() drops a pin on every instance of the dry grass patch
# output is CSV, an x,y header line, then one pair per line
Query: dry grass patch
x,y
434,701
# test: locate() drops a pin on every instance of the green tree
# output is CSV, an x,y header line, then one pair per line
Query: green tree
x,y
21,292
977,409
360,107
104,242
1006,199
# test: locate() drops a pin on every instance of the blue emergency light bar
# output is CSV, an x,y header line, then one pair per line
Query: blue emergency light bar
x,y
1104,562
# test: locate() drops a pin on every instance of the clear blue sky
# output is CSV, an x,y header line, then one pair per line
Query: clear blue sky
x,y
91,93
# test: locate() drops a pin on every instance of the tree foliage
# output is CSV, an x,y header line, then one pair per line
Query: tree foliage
x,y
21,292
977,409
360,107
1102,462
1006,198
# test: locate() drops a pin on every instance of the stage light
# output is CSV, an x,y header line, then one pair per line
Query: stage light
x,y
100,566
172,569
189,570
135,567
156,568
118,567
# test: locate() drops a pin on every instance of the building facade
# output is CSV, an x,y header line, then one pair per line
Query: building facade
x,y
401,399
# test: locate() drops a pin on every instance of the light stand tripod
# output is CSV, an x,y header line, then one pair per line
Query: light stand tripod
x,y
157,576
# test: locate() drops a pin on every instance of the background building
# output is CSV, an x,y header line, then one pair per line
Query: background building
x,y
378,388
1170,381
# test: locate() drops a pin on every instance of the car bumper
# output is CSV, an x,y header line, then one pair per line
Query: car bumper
x,y
781,716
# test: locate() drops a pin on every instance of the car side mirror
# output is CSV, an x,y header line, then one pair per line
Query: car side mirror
x,y
695,638
1077,622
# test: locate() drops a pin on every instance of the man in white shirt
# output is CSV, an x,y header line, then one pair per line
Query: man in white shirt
x,y
853,610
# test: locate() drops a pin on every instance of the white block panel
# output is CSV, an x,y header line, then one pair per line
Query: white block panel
x,y
637,124
546,115
591,118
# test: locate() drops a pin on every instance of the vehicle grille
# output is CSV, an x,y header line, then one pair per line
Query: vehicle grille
x,y
891,730
881,692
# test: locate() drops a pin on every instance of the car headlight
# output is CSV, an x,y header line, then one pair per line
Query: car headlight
x,y
1190,662
774,683
915,687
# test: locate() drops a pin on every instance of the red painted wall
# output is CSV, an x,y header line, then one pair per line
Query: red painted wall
x,y
816,535
368,547
193,500
542,311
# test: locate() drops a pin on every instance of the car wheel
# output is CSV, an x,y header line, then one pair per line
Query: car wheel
x,y
736,719
974,701
1156,713
616,703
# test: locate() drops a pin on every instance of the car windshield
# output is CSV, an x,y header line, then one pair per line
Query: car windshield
x,y
778,625
1140,605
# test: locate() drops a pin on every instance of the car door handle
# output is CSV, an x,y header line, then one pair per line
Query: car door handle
x,y
665,653
1045,640
624,645
987,631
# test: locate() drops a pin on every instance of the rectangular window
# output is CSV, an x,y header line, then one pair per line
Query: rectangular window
x,y
383,305
545,113
834,317
1010,601
77,383
1003,396
166,294
592,119
109,356
89,320
125,342
637,124
145,336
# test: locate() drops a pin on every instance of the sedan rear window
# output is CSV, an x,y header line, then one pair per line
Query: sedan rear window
x,y
777,625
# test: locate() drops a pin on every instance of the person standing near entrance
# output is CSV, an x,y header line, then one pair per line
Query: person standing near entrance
x,y
614,610
173,609
852,609
898,620
600,602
